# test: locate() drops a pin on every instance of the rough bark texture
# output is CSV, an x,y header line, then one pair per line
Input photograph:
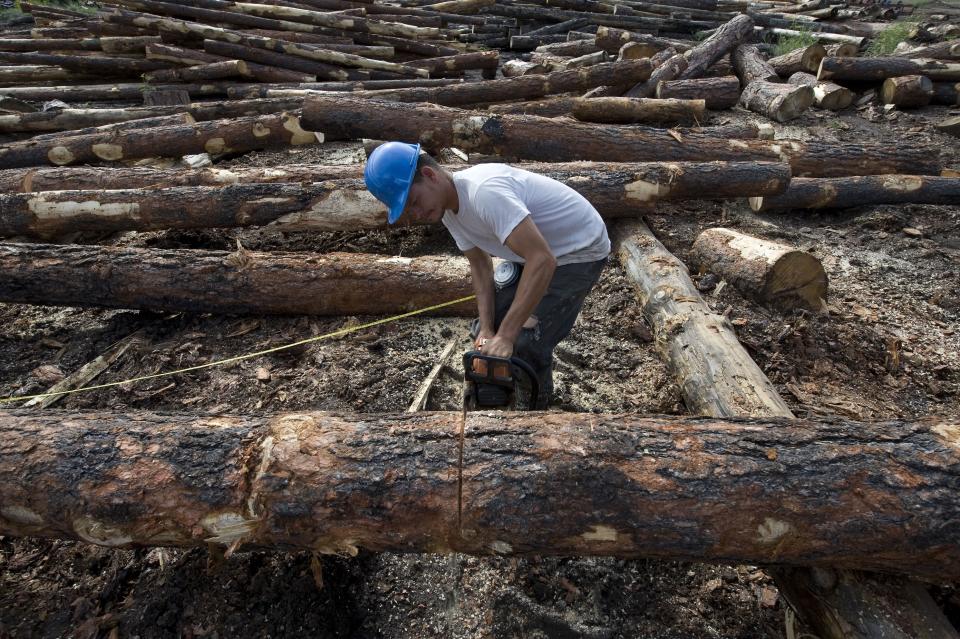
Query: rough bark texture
x,y
682,488
946,93
106,92
843,50
802,59
723,40
826,95
536,138
257,71
907,91
457,64
823,193
950,126
516,68
143,123
946,50
312,68
780,102
243,282
610,39
200,72
669,69
100,65
639,110
750,65
770,273
241,134
344,204
718,93
877,69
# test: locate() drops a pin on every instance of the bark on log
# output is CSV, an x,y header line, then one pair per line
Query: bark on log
x,y
48,44
718,93
750,65
517,68
536,138
801,59
946,93
780,102
814,193
845,50
439,482
610,39
639,110
569,49
101,65
29,73
907,91
947,50
877,69
242,134
457,64
950,126
723,40
344,204
108,92
312,68
669,69
129,125
243,282
770,273
68,119
821,37
259,72
200,72
826,95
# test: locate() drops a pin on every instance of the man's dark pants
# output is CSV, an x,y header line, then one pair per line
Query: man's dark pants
x,y
556,314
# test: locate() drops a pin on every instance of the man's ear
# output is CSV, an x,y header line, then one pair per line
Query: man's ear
x,y
430,173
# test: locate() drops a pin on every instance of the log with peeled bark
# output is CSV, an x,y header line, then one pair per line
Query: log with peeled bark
x,y
456,64
750,65
770,273
69,119
218,136
487,483
723,40
907,91
946,93
236,199
525,87
610,39
946,50
800,59
826,95
175,119
200,72
100,64
569,49
259,72
241,282
718,93
536,138
845,192
777,101
667,70
639,110
289,63
881,68
516,68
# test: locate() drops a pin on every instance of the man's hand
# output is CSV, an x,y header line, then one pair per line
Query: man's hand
x,y
482,338
498,346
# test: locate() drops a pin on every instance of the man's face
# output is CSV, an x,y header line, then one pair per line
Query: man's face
x,y
426,202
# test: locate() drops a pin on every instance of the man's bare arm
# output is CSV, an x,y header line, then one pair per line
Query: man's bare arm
x,y
481,271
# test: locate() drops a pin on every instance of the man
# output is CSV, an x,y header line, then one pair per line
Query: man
x,y
550,234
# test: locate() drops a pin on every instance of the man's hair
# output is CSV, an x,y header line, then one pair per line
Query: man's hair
x,y
425,159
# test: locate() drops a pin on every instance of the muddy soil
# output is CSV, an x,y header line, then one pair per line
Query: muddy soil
x,y
885,345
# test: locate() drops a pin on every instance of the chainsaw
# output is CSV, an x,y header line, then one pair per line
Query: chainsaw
x,y
493,382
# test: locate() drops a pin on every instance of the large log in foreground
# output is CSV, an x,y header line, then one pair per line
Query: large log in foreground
x,y
860,495
536,138
344,204
242,282
838,193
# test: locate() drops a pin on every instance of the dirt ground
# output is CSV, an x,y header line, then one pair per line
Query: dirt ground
x,y
886,345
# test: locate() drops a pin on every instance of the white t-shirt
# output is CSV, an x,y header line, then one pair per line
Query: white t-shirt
x,y
495,198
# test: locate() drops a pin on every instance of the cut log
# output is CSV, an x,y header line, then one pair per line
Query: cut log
x,y
225,136
946,50
950,126
846,50
946,93
143,123
343,204
312,68
101,64
634,110
536,138
877,69
801,59
259,72
243,282
907,91
723,40
334,21
49,44
826,95
68,119
780,102
107,92
516,68
30,73
718,93
610,39
200,72
821,36
750,65
686,488
669,69
819,193
457,64
772,274
592,59
569,49
525,87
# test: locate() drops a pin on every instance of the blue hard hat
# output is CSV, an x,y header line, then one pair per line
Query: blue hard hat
x,y
389,174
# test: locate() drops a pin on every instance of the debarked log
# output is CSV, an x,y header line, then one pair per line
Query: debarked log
x,y
345,204
639,110
242,282
846,192
877,495
536,138
801,59
773,274
217,136
777,101
826,95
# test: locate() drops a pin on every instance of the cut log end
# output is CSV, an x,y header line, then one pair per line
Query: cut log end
x,y
796,280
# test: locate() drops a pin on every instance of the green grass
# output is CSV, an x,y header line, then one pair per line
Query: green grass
x,y
887,40
70,5
787,43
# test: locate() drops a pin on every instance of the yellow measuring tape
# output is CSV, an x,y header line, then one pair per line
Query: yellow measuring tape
x,y
229,360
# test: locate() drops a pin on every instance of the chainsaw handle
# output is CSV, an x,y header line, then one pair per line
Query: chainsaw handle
x,y
470,357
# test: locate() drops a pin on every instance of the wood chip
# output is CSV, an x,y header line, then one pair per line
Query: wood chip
x,y
912,232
